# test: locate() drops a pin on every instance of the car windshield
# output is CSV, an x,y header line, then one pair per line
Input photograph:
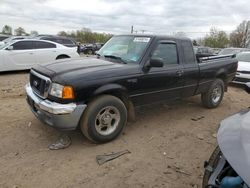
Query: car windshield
x,y
229,51
243,57
126,48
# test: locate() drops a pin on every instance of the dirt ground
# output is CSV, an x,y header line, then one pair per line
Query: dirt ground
x,y
168,144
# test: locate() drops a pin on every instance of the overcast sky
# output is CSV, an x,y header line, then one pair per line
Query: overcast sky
x,y
195,17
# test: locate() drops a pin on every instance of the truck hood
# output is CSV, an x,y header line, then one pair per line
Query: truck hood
x,y
68,71
234,142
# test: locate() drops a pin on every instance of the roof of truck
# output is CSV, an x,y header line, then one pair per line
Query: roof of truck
x,y
157,36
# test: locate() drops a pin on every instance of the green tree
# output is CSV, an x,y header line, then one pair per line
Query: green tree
x,y
33,33
20,31
7,30
85,35
241,36
62,33
216,39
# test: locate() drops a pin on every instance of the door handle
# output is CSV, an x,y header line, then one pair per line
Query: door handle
x,y
179,72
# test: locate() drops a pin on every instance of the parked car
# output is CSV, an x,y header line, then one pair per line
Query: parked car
x,y
23,54
58,39
243,71
216,50
10,39
202,51
90,48
98,94
227,51
3,37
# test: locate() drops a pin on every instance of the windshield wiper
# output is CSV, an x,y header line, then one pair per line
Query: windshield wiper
x,y
116,57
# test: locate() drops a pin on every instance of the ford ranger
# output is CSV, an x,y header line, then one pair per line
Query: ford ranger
x,y
98,93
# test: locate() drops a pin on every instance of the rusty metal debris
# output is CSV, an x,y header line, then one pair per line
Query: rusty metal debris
x,y
101,159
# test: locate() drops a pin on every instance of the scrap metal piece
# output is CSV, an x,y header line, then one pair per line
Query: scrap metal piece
x,y
63,142
101,159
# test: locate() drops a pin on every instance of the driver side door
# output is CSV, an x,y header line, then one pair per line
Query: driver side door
x,y
22,56
162,83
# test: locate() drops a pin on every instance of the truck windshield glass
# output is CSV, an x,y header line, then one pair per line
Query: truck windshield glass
x,y
127,48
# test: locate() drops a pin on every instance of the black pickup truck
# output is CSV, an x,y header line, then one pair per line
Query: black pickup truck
x,y
98,93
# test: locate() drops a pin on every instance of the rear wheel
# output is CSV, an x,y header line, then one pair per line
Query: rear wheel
x,y
213,97
104,119
62,57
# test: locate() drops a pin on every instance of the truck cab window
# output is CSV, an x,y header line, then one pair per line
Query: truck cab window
x,y
167,52
188,52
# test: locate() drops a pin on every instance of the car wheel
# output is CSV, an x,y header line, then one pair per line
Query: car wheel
x,y
213,97
62,57
104,119
213,161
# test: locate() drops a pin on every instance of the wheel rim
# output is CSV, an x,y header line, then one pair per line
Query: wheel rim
x,y
107,120
216,94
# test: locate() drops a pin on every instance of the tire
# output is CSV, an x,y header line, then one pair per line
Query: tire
x,y
213,97
213,160
104,119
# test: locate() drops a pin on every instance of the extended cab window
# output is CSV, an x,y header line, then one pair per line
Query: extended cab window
x,y
167,52
188,52
42,45
23,45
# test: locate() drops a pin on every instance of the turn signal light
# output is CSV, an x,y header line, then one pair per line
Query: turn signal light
x,y
68,92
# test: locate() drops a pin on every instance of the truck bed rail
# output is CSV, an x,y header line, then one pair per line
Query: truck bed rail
x,y
216,57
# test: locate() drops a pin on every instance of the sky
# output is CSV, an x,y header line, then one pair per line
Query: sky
x,y
194,17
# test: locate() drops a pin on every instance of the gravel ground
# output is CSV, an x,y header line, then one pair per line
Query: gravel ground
x,y
168,144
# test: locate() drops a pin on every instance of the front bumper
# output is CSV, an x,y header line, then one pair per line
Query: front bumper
x,y
60,116
241,78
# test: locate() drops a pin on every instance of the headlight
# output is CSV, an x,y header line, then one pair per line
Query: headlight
x,y
60,91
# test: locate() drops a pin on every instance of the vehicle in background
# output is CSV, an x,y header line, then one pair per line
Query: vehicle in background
x,y
24,54
227,51
243,72
228,166
98,93
216,50
90,48
58,39
202,51
2,37
12,38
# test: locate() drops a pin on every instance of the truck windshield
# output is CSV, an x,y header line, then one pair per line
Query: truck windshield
x,y
127,48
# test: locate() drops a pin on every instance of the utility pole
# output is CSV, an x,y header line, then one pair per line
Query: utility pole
x,y
132,29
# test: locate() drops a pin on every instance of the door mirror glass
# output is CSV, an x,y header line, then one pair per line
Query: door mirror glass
x,y
247,87
156,62
9,48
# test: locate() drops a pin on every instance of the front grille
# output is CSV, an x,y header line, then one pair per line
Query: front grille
x,y
40,84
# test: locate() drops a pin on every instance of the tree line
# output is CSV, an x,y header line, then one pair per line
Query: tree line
x,y
83,35
240,37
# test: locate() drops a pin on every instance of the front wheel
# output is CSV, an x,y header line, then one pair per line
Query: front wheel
x,y
213,97
104,119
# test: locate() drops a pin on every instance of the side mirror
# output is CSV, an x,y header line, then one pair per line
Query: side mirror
x,y
9,48
155,63
247,87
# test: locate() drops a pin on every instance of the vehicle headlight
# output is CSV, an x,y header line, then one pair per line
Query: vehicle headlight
x,y
60,91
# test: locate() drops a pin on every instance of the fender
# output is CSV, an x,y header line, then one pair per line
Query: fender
x,y
221,73
110,87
